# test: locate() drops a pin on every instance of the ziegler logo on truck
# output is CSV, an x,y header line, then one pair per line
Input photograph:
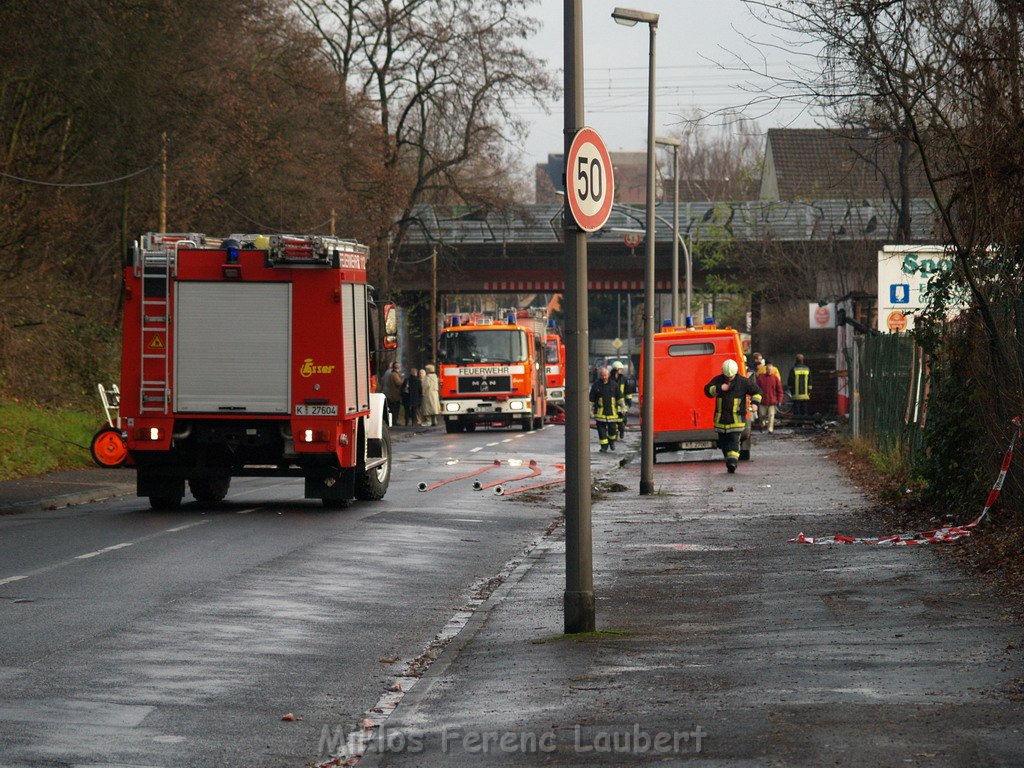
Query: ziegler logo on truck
x,y
309,368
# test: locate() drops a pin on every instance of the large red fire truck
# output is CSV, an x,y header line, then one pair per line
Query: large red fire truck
x,y
554,369
493,373
250,355
685,360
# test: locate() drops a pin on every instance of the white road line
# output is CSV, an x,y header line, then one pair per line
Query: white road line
x,y
489,445
507,440
246,511
99,552
519,437
475,450
465,520
186,526
90,555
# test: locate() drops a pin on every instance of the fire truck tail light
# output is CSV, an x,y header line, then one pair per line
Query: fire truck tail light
x,y
147,433
451,407
314,436
343,439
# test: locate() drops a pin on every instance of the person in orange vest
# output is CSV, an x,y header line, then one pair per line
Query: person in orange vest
x,y
730,392
770,381
800,386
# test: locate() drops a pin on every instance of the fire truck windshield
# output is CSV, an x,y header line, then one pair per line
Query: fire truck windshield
x,y
483,346
551,348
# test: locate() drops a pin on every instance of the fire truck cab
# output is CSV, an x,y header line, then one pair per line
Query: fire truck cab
x,y
493,373
685,360
249,356
554,368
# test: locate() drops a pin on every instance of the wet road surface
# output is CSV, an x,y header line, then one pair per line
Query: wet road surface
x,y
140,638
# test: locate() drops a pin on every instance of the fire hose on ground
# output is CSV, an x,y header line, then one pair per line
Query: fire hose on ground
x,y
423,487
534,471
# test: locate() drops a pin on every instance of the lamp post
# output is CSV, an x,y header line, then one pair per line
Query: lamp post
x,y
675,144
630,18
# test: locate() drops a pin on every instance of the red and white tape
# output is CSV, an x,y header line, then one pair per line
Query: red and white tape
x,y
937,535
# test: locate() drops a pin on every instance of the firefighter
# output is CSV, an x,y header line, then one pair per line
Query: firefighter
x,y
730,392
800,386
625,393
606,405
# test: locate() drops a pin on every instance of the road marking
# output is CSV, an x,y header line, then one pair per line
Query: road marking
x,y
186,526
90,555
518,437
474,450
99,552
246,511
489,445
465,520
507,440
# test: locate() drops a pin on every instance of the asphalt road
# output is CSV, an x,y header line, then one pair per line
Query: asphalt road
x,y
137,638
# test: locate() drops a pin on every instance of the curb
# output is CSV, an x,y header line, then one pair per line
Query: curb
x,y
414,698
67,500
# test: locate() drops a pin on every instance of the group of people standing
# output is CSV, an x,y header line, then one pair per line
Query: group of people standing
x,y
416,395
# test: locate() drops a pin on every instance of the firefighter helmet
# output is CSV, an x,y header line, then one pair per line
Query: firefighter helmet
x,y
617,365
730,368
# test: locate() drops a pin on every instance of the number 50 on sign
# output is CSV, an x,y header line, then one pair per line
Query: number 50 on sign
x,y
589,182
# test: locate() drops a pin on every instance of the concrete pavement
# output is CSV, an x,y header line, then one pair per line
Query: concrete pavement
x,y
721,643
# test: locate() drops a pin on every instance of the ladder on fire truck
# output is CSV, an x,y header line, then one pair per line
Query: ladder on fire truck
x,y
156,259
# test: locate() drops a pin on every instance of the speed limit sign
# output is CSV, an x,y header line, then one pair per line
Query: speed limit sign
x,y
590,187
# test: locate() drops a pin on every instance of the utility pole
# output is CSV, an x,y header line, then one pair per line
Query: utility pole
x,y
578,601
433,305
163,183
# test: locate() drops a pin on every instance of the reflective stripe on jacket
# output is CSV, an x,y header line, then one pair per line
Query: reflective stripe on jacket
x,y
800,382
731,406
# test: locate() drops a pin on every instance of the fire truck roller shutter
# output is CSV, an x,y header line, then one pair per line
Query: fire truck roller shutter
x,y
354,330
232,347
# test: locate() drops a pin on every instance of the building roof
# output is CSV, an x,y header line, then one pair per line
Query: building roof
x,y
820,163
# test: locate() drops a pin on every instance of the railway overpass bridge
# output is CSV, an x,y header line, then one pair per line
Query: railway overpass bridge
x,y
520,251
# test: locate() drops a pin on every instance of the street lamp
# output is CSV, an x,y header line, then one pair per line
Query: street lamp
x,y
629,17
675,144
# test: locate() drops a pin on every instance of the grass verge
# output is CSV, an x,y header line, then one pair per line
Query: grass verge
x,y
34,440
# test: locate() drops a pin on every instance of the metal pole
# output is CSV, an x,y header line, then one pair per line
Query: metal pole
x,y
647,411
578,601
689,266
433,305
675,236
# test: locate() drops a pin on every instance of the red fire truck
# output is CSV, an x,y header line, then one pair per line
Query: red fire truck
x,y
554,369
685,359
248,356
492,373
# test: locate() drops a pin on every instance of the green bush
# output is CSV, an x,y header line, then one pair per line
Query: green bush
x,y
34,440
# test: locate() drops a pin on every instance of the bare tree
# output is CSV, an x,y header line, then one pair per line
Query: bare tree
x,y
443,76
718,162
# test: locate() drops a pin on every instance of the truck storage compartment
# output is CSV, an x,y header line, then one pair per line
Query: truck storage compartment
x,y
232,347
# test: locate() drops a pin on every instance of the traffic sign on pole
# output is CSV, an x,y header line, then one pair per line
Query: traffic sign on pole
x,y
632,239
589,182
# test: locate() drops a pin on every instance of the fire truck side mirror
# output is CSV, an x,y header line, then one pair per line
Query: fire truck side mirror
x,y
390,326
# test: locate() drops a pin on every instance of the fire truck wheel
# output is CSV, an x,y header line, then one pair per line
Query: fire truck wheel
x,y
451,426
373,484
538,423
527,424
166,499
210,490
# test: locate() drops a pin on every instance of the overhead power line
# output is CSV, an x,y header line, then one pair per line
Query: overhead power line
x,y
77,183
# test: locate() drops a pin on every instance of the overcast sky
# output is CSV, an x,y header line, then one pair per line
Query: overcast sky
x,y
692,34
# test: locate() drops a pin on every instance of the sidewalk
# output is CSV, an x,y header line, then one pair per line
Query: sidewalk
x,y
721,637
63,489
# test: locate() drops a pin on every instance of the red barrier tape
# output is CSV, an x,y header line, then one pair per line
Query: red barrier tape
x,y
937,535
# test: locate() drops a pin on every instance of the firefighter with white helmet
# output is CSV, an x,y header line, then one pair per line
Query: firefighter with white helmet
x,y
625,393
730,392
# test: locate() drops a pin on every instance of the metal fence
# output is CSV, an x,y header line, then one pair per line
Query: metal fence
x,y
889,378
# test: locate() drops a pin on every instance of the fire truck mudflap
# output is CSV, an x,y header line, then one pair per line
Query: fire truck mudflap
x,y
250,356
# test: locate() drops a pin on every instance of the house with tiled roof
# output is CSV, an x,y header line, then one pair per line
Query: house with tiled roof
x,y
805,164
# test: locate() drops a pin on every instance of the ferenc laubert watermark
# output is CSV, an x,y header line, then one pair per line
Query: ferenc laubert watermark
x,y
632,739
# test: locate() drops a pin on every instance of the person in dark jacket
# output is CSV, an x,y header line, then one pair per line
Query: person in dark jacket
x,y
412,397
625,393
606,404
730,392
800,386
